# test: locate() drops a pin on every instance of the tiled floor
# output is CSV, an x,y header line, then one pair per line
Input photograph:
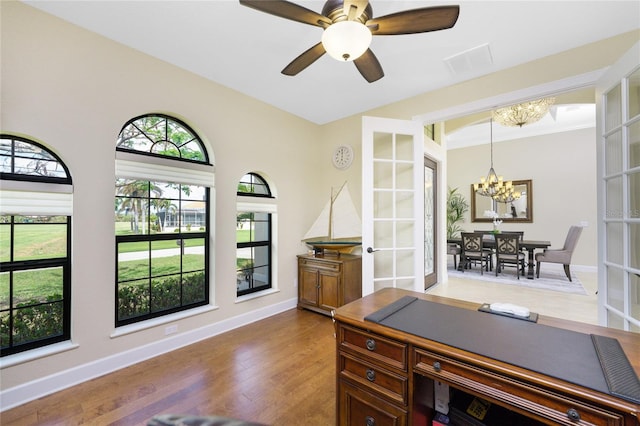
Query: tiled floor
x,y
574,307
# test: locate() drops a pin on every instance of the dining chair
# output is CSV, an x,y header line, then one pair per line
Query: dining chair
x,y
487,236
473,251
454,250
562,255
520,234
508,252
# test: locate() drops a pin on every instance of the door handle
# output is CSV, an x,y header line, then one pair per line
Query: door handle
x,y
371,250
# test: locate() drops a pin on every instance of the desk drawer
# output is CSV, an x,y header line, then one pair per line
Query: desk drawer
x,y
515,395
358,407
383,382
378,349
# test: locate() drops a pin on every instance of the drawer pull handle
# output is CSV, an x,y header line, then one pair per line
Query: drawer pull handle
x,y
371,375
437,367
370,421
573,414
371,344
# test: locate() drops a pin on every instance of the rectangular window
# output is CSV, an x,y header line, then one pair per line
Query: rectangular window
x,y
34,280
253,252
162,244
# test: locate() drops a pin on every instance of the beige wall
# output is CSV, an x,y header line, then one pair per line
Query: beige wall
x,y
73,90
562,167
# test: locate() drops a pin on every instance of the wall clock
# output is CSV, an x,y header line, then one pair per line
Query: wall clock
x,y
342,157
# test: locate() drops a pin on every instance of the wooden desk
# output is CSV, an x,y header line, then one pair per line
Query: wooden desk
x,y
386,376
529,245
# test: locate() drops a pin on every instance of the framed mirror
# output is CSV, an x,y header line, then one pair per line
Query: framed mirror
x,y
520,210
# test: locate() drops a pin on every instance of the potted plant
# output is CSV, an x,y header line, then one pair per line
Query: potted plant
x,y
457,206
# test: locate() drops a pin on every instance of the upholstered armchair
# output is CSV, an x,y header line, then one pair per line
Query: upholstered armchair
x,y
563,255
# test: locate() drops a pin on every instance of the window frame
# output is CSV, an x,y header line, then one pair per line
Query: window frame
x,y
132,164
37,184
250,205
156,155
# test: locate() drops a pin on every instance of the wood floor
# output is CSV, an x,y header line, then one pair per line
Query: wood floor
x,y
278,371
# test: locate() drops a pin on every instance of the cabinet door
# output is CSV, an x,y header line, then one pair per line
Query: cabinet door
x,y
330,296
308,283
359,408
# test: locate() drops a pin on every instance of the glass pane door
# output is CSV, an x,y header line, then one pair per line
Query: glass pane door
x,y
619,171
392,205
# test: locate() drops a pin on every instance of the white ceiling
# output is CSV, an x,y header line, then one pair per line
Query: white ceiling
x,y
561,118
245,50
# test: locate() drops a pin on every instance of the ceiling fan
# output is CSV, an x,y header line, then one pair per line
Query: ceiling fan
x,y
348,26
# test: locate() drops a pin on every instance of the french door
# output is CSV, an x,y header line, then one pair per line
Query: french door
x,y
392,204
618,130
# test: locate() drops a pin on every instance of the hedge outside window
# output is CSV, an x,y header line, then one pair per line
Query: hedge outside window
x,y
35,246
162,227
253,237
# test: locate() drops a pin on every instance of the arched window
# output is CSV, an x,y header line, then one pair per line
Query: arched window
x,y
35,246
254,235
162,212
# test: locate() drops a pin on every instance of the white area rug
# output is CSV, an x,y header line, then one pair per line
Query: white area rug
x,y
552,277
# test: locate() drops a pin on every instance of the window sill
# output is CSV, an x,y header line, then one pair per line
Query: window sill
x,y
155,322
33,354
256,295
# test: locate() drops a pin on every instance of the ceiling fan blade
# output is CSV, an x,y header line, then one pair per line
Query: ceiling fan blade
x,y
354,8
369,66
304,60
415,21
288,10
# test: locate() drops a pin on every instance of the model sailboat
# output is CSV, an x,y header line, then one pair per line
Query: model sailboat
x,y
338,227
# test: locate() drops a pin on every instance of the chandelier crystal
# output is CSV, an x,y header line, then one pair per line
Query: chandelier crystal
x,y
493,185
524,113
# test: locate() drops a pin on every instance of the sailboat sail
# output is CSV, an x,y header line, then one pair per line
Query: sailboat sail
x,y
338,220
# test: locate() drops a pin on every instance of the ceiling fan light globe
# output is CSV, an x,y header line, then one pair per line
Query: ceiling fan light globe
x,y
346,40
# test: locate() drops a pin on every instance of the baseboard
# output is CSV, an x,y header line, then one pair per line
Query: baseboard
x,y
44,386
584,268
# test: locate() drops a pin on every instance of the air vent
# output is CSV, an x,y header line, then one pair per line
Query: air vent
x,y
470,61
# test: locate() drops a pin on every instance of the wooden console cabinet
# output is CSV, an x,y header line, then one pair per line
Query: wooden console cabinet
x,y
326,282
386,376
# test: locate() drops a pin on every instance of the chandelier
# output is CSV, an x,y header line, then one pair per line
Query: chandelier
x,y
508,194
493,185
524,113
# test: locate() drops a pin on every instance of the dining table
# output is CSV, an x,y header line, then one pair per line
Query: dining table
x,y
489,242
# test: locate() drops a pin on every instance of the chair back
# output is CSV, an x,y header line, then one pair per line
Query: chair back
x,y
507,244
520,234
572,238
471,243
